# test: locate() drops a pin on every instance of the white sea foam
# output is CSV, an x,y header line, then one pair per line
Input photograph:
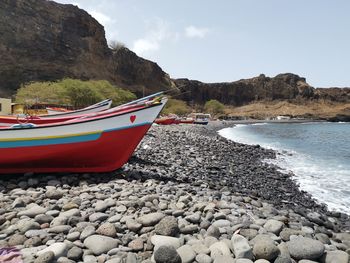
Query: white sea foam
x,y
259,123
326,181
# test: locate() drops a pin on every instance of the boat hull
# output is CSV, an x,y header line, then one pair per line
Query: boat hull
x,y
187,121
201,122
165,121
109,152
93,144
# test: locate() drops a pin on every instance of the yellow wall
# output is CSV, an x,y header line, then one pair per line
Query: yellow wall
x,y
17,109
5,106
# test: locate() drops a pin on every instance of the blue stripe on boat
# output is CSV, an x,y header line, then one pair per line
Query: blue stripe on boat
x,y
62,140
43,142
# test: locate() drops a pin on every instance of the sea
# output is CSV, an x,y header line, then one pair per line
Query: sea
x,y
317,153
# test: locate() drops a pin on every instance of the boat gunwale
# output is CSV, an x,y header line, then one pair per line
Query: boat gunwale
x,y
84,120
103,103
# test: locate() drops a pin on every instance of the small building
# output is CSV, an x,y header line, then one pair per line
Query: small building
x,y
5,106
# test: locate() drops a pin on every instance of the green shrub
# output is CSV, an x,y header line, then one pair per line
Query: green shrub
x,y
73,92
214,107
177,107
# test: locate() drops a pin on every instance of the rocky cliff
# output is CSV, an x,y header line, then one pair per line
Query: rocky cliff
x,y
286,86
44,40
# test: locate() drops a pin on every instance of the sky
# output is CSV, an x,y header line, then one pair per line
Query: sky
x,y
228,40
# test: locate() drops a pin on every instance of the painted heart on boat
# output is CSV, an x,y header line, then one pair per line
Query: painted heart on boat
x,y
132,118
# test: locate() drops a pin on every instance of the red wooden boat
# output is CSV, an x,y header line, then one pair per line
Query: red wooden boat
x,y
165,120
100,142
187,121
61,112
46,119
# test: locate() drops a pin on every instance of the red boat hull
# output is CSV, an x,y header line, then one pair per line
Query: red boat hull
x,y
166,121
187,121
109,152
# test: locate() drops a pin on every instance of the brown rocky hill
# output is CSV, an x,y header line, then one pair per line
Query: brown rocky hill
x,y
42,40
286,86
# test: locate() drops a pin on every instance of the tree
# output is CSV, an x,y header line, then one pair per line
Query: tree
x,y
214,107
177,107
41,92
73,92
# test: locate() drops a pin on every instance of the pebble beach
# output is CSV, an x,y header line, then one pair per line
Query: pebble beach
x,y
186,195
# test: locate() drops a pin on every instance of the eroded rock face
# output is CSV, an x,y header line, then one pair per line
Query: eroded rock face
x,y
44,40
283,86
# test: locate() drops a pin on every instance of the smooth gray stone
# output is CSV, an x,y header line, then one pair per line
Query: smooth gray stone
x,y
150,219
32,211
131,258
100,244
168,226
132,225
71,212
213,231
88,231
224,259
73,236
58,221
273,226
75,253
25,225
243,260
199,248
167,254
107,229
36,232
262,261
186,254
114,218
59,249
219,248
136,244
101,206
241,247
222,223
59,229
264,248
43,218
337,256
47,257
194,218
98,217
305,248
159,241
54,194
203,258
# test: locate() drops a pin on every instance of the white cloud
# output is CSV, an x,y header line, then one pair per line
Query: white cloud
x,y
192,32
101,18
152,41
143,45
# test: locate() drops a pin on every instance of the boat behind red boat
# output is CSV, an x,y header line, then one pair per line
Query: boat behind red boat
x,y
165,120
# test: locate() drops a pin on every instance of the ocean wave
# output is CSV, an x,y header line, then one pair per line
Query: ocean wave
x,y
326,180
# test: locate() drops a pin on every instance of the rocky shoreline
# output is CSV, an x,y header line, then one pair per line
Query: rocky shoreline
x,y
187,195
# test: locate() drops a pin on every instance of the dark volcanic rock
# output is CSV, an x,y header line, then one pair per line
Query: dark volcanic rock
x,y
44,40
283,86
166,254
167,227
